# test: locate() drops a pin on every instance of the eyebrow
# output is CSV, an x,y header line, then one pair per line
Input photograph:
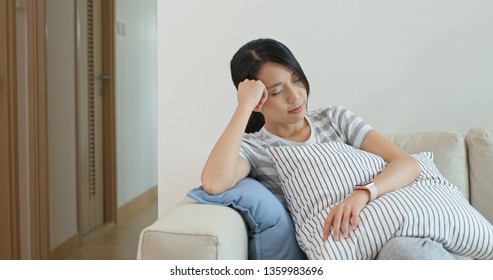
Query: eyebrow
x,y
274,85
278,84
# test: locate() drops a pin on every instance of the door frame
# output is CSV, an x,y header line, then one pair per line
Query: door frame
x,y
11,186
109,114
37,129
38,215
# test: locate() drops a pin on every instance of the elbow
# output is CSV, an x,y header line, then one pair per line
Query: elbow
x,y
210,188
418,167
208,185
414,166
214,187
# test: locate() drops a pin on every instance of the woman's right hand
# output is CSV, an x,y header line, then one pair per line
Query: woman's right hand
x,y
225,167
252,93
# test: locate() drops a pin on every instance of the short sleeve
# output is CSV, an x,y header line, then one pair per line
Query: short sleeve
x,y
246,152
350,127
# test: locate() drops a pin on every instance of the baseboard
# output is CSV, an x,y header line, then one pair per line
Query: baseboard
x,y
137,203
73,243
67,248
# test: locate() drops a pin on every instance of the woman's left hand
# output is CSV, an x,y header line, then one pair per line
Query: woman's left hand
x,y
345,214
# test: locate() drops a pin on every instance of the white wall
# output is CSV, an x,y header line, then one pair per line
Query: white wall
x,y
401,65
136,98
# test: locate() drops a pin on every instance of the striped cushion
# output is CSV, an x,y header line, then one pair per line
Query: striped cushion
x,y
315,177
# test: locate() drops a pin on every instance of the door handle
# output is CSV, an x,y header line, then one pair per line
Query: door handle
x,y
103,77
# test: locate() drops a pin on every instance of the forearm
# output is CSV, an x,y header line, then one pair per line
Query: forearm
x,y
220,170
399,173
402,169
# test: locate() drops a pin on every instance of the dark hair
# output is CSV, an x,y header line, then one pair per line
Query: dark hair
x,y
248,60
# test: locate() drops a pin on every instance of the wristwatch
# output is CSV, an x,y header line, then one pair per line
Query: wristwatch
x,y
371,188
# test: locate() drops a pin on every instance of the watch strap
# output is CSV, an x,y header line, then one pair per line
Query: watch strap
x,y
371,188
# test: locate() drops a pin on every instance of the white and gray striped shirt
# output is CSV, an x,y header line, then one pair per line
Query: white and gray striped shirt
x,y
330,124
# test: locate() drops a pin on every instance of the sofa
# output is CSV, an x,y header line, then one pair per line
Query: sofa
x,y
187,231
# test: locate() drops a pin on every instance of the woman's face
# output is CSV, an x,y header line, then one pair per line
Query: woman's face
x,y
286,103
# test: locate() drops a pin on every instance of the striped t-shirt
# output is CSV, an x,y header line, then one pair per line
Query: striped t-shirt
x,y
327,125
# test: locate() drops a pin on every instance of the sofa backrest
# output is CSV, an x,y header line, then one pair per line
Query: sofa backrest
x,y
449,150
479,142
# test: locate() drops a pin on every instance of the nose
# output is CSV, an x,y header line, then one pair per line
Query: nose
x,y
292,95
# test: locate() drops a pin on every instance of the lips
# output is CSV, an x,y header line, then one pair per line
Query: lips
x,y
297,109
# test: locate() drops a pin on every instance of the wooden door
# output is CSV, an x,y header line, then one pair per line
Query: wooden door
x,y
96,125
90,105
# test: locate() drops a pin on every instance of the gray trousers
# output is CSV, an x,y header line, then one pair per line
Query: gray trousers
x,y
413,248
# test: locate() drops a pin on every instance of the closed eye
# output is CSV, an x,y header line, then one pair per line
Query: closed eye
x,y
276,93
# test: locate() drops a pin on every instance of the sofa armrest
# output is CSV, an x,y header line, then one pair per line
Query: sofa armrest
x,y
479,143
192,231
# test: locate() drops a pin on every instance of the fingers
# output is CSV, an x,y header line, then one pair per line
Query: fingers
x,y
262,101
354,221
336,225
345,223
253,93
340,221
328,225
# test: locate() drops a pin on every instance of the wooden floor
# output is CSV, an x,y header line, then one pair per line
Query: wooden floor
x,y
117,242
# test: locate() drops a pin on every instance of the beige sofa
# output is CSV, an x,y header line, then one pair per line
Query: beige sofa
x,y
188,232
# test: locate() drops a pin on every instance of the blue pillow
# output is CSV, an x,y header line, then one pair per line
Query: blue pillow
x,y
271,230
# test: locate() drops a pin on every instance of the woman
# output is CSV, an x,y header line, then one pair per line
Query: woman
x,y
272,110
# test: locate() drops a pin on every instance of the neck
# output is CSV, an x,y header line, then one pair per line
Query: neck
x,y
298,132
